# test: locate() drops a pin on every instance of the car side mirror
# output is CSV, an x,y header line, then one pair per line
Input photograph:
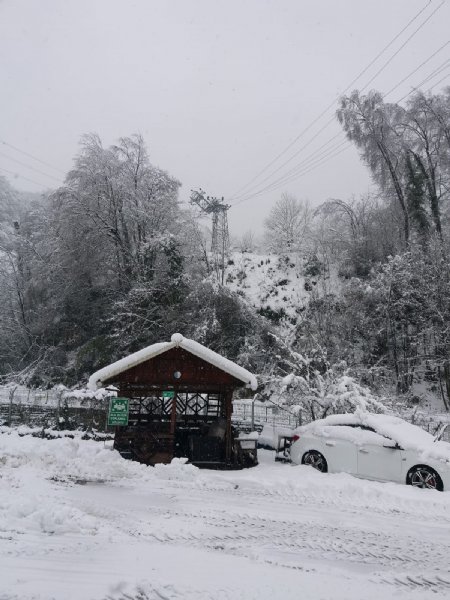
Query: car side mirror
x,y
393,446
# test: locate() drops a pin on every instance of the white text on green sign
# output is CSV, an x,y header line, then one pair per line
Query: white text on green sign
x,y
118,411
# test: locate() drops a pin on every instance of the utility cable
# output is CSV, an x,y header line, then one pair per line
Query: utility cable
x,y
328,123
288,176
438,82
29,167
305,130
274,186
300,167
305,164
31,156
308,143
23,177
283,180
305,167
403,45
417,68
433,74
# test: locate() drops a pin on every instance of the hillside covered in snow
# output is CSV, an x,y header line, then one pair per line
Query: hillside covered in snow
x,y
279,287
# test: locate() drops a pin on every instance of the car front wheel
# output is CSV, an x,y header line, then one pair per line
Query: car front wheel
x,y
424,477
316,460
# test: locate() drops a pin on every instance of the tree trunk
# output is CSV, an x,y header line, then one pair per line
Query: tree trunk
x,y
434,200
398,190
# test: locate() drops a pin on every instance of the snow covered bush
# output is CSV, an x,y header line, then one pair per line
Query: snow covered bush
x,y
312,389
322,394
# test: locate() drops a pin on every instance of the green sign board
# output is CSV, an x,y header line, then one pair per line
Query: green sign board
x,y
118,411
168,394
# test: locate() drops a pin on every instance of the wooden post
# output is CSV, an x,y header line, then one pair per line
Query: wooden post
x,y
173,419
228,397
11,396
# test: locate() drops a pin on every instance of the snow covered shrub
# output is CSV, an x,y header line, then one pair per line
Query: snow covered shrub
x,y
312,266
317,396
313,388
275,316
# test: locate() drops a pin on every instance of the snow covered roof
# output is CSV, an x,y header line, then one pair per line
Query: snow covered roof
x,y
177,341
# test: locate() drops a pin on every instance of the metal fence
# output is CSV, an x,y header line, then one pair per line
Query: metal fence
x,y
52,409
247,413
57,409
28,396
267,413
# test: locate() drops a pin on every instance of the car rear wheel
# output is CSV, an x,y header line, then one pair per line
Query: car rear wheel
x,y
424,477
315,460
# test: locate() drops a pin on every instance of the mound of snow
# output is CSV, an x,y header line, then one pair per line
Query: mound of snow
x,y
178,469
66,458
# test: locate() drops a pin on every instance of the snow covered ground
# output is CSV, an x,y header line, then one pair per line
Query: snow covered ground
x,y
79,522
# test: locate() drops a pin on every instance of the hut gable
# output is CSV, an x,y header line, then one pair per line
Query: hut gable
x,y
200,365
159,372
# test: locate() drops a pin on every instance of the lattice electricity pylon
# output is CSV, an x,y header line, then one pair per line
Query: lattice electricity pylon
x,y
220,238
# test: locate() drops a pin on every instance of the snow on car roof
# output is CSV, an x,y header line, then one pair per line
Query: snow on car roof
x,y
98,378
408,436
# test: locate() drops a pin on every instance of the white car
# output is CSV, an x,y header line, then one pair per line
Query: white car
x,y
373,446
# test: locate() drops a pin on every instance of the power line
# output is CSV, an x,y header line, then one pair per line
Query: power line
x,y
31,156
305,130
312,157
320,162
23,177
417,68
403,45
328,123
416,88
433,74
331,153
29,167
289,175
438,71
310,141
438,82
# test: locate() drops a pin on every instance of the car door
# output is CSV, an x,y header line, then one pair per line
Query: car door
x,y
379,457
339,449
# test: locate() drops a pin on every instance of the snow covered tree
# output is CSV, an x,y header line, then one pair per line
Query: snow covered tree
x,y
312,387
377,129
23,260
427,128
117,197
401,145
288,225
359,233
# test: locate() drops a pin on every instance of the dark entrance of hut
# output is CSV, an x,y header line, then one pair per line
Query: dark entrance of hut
x,y
169,423
180,405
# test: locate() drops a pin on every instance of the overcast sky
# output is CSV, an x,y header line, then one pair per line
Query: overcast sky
x,y
218,88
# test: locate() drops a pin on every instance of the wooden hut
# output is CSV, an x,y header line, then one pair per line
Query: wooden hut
x,y
180,404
